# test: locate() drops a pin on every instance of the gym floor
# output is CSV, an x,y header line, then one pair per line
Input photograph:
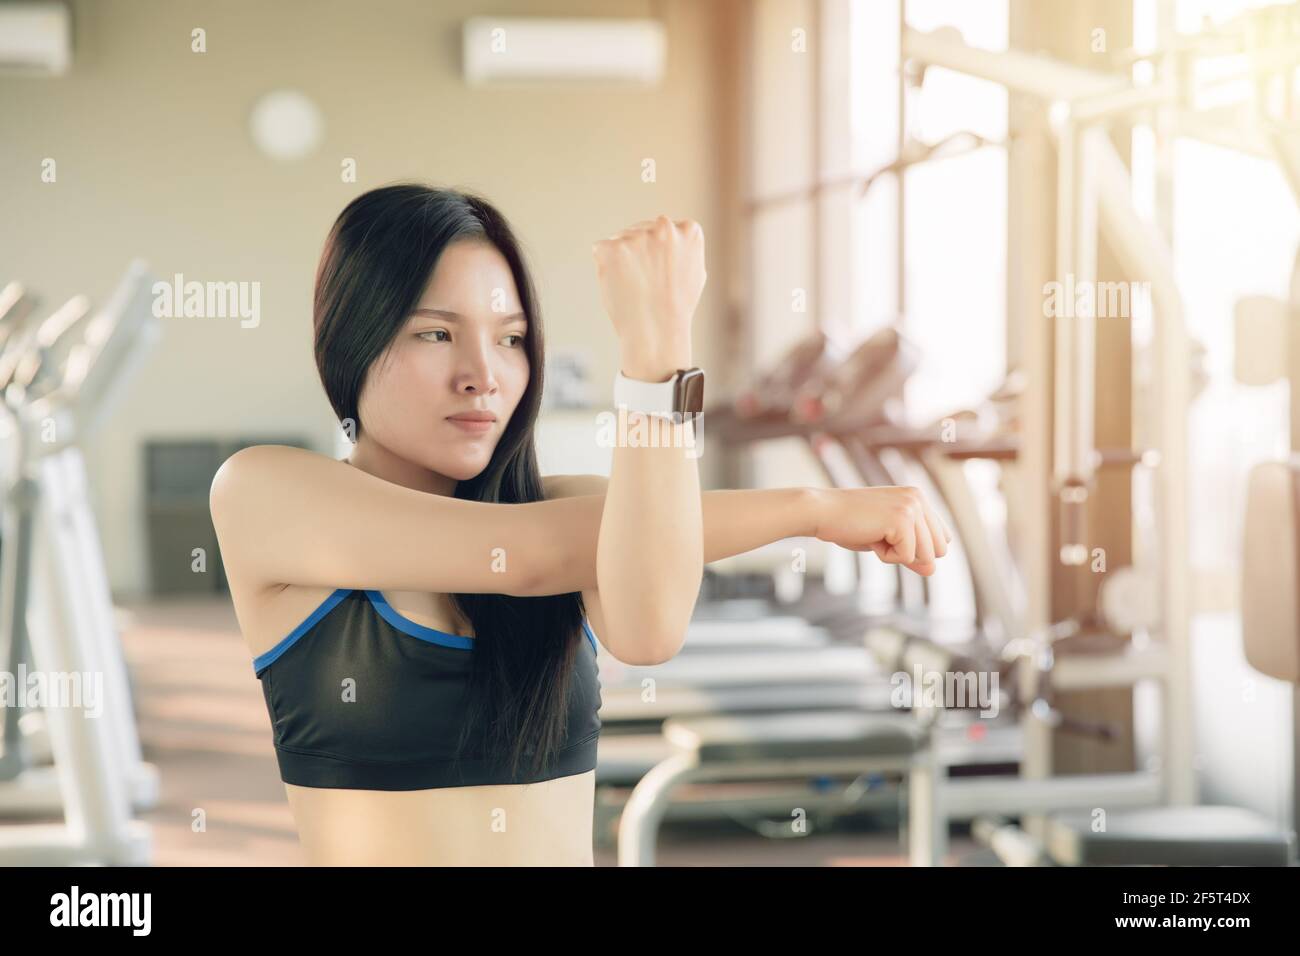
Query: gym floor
x,y
204,725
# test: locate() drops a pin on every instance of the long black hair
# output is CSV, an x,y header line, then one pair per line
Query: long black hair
x,y
376,263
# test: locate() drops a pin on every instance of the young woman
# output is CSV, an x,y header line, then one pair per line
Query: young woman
x,y
424,615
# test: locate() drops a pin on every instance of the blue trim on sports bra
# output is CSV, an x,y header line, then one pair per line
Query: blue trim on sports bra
x,y
262,661
407,626
389,614
592,637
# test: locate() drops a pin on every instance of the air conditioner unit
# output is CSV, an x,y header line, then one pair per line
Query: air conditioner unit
x,y
35,38
524,49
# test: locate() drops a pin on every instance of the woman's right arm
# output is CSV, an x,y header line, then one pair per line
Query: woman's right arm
x,y
286,515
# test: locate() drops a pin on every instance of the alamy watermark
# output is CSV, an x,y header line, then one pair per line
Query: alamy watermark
x,y
1094,300
208,300
130,910
49,689
949,690
652,431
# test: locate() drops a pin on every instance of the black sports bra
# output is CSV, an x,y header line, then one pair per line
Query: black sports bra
x,y
374,701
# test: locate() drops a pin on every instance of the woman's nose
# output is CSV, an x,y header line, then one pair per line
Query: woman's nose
x,y
474,369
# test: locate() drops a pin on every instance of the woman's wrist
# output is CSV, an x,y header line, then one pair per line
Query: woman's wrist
x,y
654,363
811,506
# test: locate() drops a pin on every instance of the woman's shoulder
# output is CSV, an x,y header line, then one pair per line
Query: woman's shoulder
x,y
266,610
253,458
258,470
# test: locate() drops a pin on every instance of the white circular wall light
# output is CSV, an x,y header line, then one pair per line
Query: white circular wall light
x,y
286,125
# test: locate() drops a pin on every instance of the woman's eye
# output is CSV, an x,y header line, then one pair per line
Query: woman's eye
x,y
518,339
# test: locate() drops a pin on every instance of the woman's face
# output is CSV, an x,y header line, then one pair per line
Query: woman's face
x,y
459,357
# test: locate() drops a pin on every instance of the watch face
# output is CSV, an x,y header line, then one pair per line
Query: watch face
x,y
689,399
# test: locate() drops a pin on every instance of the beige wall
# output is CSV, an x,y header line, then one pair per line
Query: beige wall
x,y
154,160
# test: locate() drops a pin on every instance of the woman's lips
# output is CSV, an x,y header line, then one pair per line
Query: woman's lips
x,y
471,427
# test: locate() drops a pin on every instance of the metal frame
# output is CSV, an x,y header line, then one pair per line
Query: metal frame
x,y
639,824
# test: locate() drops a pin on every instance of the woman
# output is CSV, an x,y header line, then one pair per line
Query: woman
x,y
424,615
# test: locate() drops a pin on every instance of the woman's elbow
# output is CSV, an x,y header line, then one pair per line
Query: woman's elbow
x,y
649,625
638,655
646,644
659,636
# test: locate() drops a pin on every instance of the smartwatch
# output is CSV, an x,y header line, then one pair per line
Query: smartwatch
x,y
676,399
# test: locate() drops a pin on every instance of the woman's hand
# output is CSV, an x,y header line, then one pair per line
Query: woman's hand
x,y
651,276
896,523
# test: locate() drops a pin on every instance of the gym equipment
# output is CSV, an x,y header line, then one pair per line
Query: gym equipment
x,y
24,741
1150,815
1095,199
15,307
1200,835
57,606
709,749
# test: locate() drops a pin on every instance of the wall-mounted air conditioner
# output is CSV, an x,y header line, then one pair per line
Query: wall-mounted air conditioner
x,y
524,49
35,38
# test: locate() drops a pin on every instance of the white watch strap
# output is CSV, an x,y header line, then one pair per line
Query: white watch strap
x,y
650,398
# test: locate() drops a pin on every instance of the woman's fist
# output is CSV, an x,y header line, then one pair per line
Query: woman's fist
x,y
651,276
896,523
